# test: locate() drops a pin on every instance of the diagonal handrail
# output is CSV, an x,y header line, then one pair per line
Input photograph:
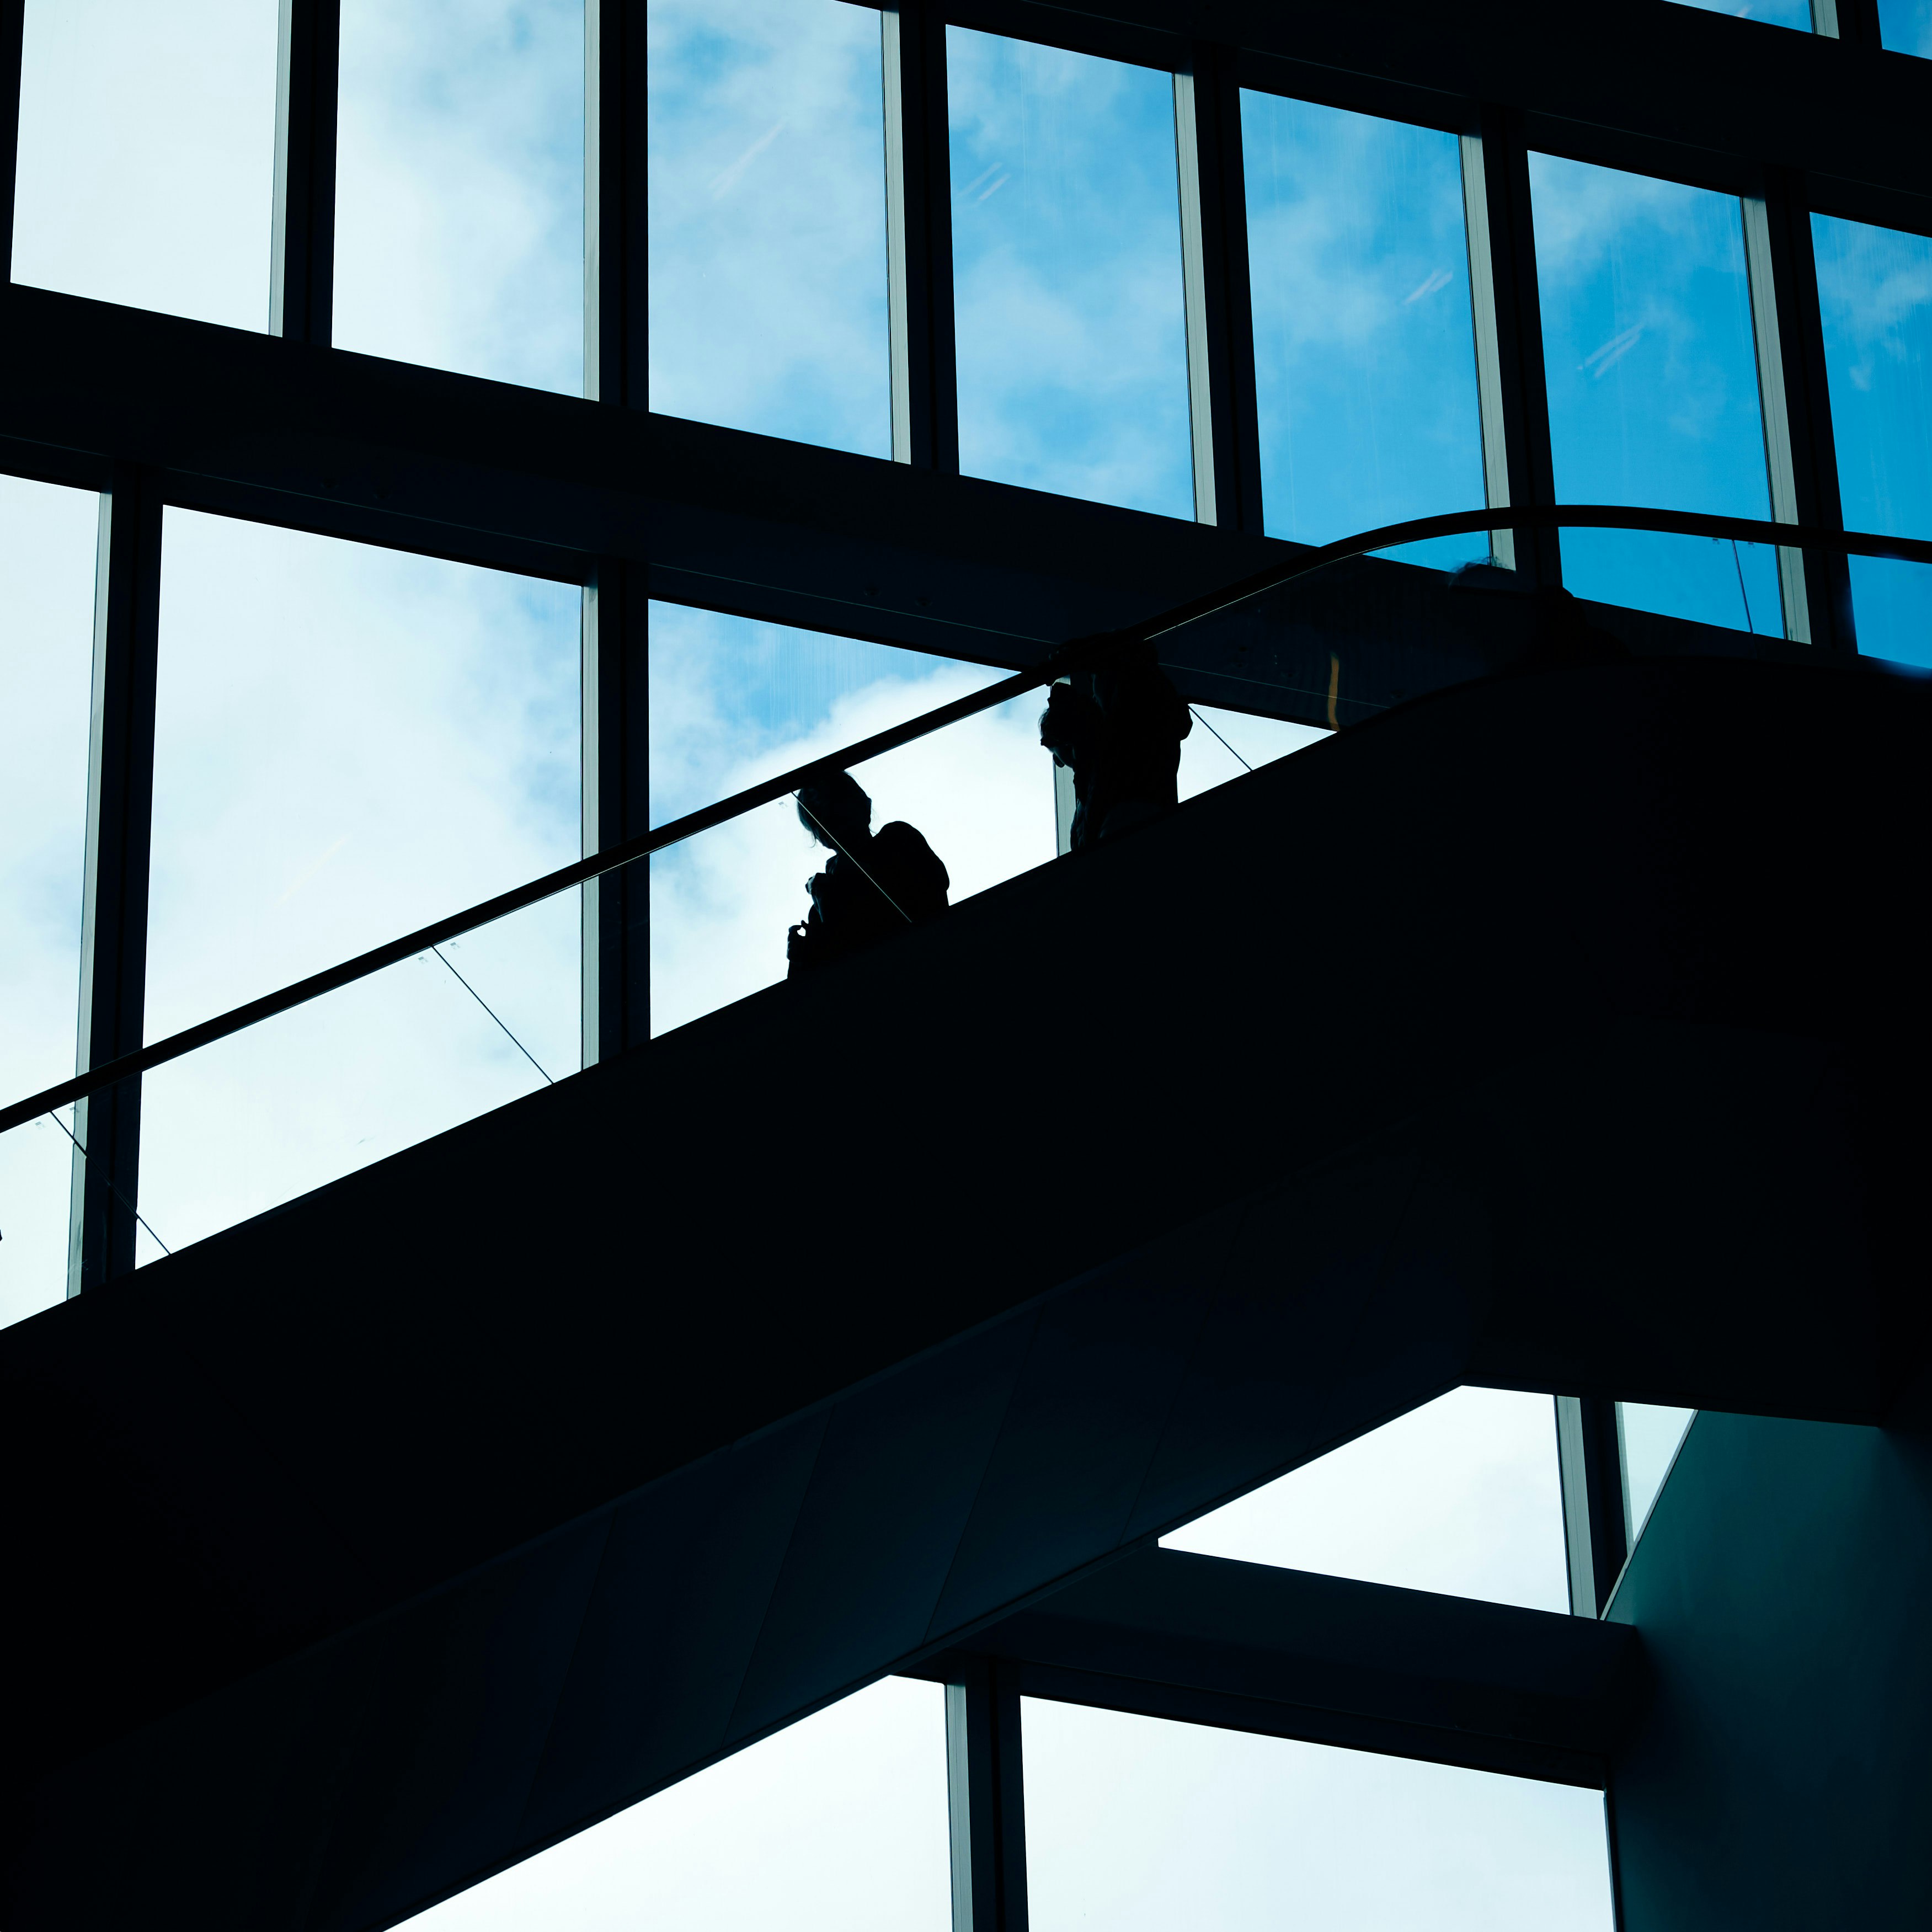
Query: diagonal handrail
x,y
1081,653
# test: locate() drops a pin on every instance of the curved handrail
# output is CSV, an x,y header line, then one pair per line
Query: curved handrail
x,y
1080,653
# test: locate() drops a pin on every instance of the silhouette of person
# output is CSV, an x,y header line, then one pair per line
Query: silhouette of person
x,y
1119,730
873,884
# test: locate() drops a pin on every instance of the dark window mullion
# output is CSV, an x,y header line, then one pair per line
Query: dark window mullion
x,y
986,1801
1220,318
114,904
302,268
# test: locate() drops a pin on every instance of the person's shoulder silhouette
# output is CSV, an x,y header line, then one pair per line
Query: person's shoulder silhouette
x,y
873,884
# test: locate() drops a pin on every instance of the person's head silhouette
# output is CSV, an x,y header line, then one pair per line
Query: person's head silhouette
x,y
835,811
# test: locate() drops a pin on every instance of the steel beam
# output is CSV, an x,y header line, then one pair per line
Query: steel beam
x,y
616,966
616,341
12,30
114,905
984,1797
1596,1498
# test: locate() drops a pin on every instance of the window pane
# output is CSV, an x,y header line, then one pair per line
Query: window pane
x,y
350,742
836,1825
46,592
1651,1435
732,702
1875,293
1652,373
1224,745
1906,26
1365,364
1066,267
1777,13
459,202
1139,1825
1459,1496
147,154
768,219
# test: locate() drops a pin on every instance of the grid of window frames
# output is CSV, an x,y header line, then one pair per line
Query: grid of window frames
x,y
1266,288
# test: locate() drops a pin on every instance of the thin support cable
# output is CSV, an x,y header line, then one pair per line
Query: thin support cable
x,y
113,1188
1742,591
1232,752
494,1014
863,873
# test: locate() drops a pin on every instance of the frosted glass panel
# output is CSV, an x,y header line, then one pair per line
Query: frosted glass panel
x,y
732,702
836,1824
768,219
1460,1496
1364,360
459,203
1072,341
1652,373
46,593
147,154
1138,1825
401,742
1875,295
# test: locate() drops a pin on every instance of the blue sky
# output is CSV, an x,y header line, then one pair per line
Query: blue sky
x,y
351,741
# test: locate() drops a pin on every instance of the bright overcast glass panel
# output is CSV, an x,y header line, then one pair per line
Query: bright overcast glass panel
x,y
836,1824
399,742
732,702
1905,26
768,220
1072,338
1777,12
1875,292
1460,1496
1138,1825
1652,373
147,154
1651,1435
1365,365
46,590
459,198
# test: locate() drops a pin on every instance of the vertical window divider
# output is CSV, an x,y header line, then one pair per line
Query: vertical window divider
x,y
918,240
1508,317
1801,459
13,41
1214,273
114,902
302,262
615,684
1854,20
1596,1498
985,1802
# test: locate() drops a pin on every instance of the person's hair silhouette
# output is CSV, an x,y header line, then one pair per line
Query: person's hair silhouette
x,y
1119,730
874,882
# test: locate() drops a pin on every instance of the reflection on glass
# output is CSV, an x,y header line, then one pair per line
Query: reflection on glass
x,y
1875,293
1905,26
147,154
732,702
47,591
459,202
838,1823
1072,343
403,743
1140,1825
1459,1496
1364,361
1651,1435
768,219
1776,12
1652,374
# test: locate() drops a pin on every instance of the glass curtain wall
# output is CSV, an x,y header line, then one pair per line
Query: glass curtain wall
x,y
147,154
459,198
46,593
350,742
1652,368
1905,26
1875,297
1365,366
1067,291
768,219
